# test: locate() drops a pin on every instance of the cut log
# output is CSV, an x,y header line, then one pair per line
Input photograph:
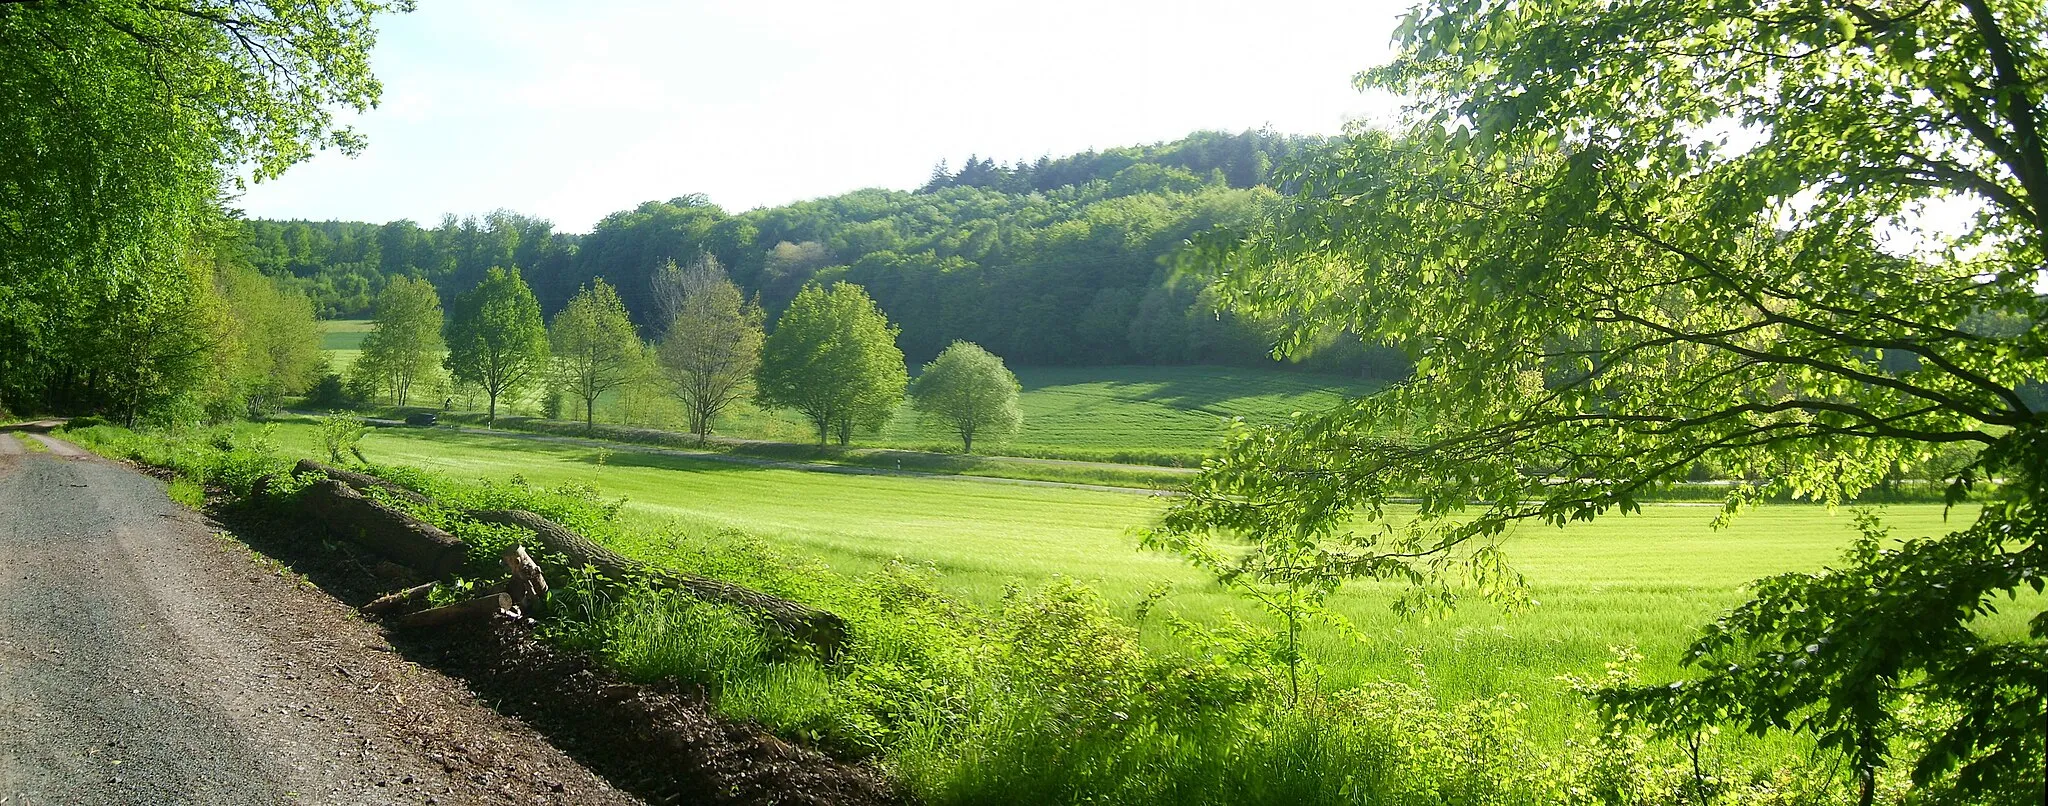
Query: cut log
x,y
394,534
823,630
478,609
402,600
529,588
361,482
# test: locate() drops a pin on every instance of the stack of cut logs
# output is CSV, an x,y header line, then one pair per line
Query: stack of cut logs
x,y
338,502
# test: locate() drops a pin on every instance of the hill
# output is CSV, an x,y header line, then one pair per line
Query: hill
x,y
1056,262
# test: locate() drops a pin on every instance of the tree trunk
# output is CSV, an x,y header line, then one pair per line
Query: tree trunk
x,y
394,534
478,609
529,588
491,417
589,415
362,482
820,629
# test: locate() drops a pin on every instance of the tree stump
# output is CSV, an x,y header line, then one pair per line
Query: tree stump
x,y
529,589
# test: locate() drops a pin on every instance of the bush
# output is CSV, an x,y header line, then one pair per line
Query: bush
x,y
227,457
331,393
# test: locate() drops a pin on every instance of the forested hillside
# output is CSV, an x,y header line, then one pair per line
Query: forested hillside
x,y
1053,262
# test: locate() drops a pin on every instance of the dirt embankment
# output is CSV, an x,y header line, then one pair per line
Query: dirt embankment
x,y
665,744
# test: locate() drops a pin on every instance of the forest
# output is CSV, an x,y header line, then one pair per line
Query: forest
x,y
1061,262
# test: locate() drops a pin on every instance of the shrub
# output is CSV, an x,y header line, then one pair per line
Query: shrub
x,y
330,392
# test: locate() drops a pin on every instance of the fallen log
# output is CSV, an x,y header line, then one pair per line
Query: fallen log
x,y
479,609
361,482
401,600
394,534
823,630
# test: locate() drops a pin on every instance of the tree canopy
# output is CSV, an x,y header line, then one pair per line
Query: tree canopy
x,y
277,338
713,344
969,391
124,121
406,346
496,339
833,358
595,348
1801,241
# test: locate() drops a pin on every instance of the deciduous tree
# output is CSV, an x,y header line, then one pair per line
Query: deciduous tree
x,y
833,358
969,391
595,348
713,344
1625,239
405,345
122,122
277,338
496,339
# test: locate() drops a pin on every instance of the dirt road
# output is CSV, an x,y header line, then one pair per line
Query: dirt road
x,y
143,660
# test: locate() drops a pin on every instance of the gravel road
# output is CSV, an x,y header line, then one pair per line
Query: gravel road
x,y
145,660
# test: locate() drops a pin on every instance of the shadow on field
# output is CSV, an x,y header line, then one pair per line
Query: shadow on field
x,y
657,461
663,744
1206,389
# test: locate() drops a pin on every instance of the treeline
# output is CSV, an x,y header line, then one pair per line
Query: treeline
x,y
1241,161
1055,262
833,357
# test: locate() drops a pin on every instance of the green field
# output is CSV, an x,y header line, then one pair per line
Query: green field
x,y
1153,415
342,341
1145,414
1647,581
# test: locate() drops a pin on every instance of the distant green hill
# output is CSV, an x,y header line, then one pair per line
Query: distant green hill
x,y
1054,262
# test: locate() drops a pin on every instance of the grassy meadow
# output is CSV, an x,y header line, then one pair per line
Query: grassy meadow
x,y
1148,415
1145,415
1647,581
342,341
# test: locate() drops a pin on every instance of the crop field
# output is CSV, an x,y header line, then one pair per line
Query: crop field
x,y
1147,415
1646,581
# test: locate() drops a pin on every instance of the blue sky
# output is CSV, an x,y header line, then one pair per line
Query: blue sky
x,y
573,110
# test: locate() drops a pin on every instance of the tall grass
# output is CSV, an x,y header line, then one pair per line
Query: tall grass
x,y
225,456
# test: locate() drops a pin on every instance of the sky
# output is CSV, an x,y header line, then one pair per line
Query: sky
x,y
571,111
